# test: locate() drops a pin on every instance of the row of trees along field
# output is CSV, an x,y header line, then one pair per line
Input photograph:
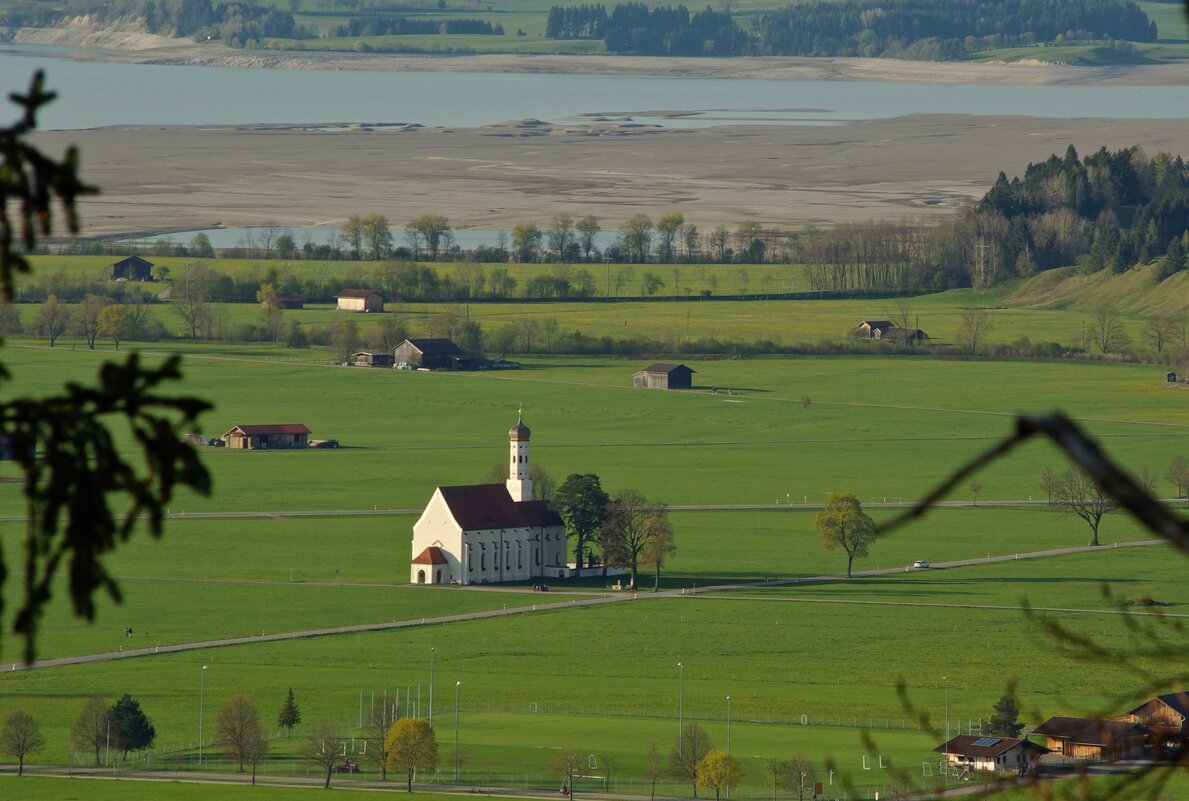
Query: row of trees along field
x,y
431,237
405,26
1111,210
933,29
408,746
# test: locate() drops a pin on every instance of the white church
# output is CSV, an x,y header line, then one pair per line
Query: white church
x,y
489,532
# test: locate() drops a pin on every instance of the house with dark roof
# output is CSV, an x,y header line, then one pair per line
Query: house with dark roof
x,y
360,300
433,354
268,437
874,329
993,754
1093,740
489,532
663,375
133,268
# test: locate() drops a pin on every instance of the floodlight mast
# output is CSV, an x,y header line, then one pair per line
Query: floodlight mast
x,y
680,704
946,679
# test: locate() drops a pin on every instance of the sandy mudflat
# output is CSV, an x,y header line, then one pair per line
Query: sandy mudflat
x,y
157,178
166,178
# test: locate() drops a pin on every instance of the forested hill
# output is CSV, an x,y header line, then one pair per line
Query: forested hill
x,y
1108,211
945,28
925,29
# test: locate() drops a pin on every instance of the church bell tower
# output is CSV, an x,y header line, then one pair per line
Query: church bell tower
x,y
520,486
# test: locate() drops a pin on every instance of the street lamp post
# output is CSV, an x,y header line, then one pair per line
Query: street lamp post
x,y
728,735
201,695
431,652
457,687
728,724
680,703
946,679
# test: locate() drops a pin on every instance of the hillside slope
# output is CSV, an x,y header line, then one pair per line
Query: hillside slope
x,y
1135,291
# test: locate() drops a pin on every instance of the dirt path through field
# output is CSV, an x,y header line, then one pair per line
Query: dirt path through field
x,y
550,606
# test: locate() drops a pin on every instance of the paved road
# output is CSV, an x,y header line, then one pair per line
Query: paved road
x,y
690,507
551,605
187,777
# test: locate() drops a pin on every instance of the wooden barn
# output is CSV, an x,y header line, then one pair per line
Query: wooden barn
x,y
133,268
360,300
433,354
269,437
1168,714
373,358
662,375
1093,740
292,302
904,335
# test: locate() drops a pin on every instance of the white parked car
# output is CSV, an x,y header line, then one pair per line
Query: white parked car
x,y
920,563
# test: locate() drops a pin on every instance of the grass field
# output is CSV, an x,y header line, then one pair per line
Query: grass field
x,y
407,432
604,679
1055,306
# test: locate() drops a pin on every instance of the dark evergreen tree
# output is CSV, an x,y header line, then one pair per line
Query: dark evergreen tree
x,y
131,729
290,715
1005,721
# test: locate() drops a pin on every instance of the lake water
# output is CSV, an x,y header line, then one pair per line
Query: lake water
x,y
95,93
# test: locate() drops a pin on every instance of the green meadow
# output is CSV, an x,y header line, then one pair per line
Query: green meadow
x,y
808,666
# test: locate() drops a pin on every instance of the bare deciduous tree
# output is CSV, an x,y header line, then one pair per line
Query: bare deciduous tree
x,y
1078,494
237,729
567,762
1159,332
51,319
1178,474
376,736
323,750
21,737
693,744
974,328
588,229
625,534
1106,330
652,769
90,730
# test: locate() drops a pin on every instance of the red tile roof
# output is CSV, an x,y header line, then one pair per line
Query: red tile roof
x,y
487,506
357,293
430,556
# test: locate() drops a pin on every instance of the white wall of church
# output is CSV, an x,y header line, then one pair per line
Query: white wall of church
x,y
436,527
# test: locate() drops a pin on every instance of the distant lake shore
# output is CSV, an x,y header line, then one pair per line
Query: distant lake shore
x,y
120,45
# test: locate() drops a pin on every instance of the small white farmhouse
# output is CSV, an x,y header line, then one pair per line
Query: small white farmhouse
x,y
489,532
